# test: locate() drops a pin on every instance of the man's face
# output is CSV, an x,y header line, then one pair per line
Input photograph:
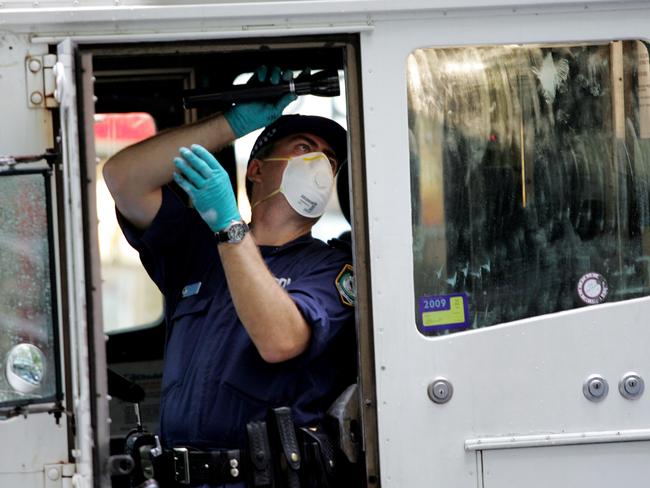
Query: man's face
x,y
288,147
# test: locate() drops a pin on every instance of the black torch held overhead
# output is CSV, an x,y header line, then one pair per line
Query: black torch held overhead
x,y
323,84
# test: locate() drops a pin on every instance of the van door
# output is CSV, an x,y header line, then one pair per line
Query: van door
x,y
46,398
33,422
510,268
88,388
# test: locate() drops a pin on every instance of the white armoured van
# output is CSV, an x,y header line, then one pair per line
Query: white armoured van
x,y
497,193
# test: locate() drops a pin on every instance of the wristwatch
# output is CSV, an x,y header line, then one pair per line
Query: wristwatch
x,y
233,234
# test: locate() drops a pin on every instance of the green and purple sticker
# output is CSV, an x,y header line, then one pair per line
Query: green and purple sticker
x,y
441,312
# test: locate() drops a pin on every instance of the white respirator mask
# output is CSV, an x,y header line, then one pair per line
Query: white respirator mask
x,y
307,183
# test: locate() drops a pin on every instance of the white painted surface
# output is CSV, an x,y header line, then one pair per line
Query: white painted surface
x,y
244,8
22,130
74,241
569,466
516,379
116,16
27,444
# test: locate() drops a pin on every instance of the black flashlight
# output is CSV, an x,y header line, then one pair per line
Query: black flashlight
x,y
322,84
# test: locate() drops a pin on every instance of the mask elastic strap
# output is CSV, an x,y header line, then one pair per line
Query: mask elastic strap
x,y
272,194
309,160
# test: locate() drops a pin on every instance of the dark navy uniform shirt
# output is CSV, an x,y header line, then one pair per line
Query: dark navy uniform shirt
x,y
214,380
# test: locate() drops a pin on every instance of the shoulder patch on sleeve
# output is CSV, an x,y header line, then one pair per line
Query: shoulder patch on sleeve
x,y
335,243
345,285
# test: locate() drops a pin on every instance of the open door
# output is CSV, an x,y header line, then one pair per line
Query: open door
x,y
88,385
51,393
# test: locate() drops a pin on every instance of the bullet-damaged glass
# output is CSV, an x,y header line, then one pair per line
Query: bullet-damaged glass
x,y
530,175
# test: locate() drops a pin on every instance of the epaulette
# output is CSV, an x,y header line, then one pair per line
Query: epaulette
x,y
342,242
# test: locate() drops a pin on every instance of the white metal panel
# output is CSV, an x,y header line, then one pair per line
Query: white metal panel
x,y
27,443
30,130
74,240
202,35
282,7
569,466
110,16
520,378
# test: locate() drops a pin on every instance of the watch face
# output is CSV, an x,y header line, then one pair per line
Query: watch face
x,y
236,232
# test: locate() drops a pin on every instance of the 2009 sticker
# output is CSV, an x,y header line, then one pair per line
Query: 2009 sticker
x,y
433,304
440,312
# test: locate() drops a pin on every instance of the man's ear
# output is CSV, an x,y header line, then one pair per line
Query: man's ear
x,y
254,171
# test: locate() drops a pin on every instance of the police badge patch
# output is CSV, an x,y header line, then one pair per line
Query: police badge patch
x,y
345,285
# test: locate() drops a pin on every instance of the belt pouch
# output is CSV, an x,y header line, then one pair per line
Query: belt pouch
x,y
285,443
261,475
318,458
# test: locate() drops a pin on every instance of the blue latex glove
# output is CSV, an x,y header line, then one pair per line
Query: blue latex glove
x,y
247,117
208,185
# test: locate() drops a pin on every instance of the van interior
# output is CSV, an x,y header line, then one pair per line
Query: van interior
x,y
138,92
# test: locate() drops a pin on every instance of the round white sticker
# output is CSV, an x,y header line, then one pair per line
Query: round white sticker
x,y
592,288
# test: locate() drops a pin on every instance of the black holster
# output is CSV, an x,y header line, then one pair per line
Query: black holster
x,y
318,458
284,456
261,458
284,444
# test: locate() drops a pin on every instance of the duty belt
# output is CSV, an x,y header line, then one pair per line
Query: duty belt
x,y
188,467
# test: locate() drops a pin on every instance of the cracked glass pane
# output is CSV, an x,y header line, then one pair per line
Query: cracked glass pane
x,y
530,174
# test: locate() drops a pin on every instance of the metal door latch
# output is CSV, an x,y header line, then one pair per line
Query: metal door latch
x,y
595,388
440,390
631,386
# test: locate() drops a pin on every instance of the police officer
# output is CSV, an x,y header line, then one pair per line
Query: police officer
x,y
257,317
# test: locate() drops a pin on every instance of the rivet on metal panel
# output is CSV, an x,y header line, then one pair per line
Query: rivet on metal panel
x,y
35,65
53,474
36,98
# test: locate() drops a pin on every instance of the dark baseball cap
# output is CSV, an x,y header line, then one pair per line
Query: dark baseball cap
x,y
328,130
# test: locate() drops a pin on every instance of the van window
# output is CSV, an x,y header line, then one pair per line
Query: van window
x,y
530,175
129,297
28,342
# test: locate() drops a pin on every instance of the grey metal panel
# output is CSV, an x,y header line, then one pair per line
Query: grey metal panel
x,y
620,464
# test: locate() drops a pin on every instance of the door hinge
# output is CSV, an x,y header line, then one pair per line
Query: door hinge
x,y
40,73
59,475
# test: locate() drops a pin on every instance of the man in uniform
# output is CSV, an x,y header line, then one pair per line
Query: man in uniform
x,y
255,320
